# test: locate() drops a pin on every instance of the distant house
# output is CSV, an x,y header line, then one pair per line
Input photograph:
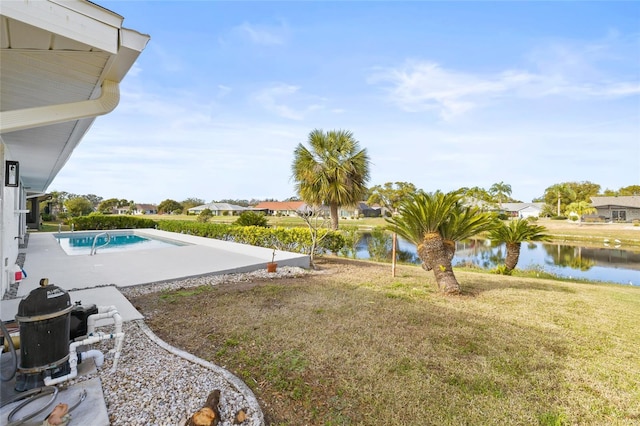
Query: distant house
x,y
219,209
618,209
361,208
522,210
279,208
145,209
138,209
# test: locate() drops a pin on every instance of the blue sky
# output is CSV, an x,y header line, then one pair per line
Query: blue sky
x,y
441,94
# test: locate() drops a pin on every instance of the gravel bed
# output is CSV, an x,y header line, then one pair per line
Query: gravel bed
x,y
156,384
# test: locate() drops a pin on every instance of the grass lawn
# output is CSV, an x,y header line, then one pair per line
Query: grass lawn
x,y
351,345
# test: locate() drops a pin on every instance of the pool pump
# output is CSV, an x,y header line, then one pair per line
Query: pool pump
x,y
48,324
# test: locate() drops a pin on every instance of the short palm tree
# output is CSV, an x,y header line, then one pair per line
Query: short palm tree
x,y
433,222
580,208
333,170
513,234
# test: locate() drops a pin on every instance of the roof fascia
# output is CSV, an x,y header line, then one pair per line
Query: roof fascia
x,y
77,20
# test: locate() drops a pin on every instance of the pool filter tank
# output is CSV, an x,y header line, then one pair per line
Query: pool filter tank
x,y
44,319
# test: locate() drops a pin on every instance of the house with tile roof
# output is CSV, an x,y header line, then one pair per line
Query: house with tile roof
x,y
618,208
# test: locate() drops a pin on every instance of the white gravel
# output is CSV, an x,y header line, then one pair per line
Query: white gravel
x,y
156,384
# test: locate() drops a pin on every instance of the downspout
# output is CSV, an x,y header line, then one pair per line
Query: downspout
x,y
28,118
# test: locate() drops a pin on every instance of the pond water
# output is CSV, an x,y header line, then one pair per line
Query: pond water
x,y
608,264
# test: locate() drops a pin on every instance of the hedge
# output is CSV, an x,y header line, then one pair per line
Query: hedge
x,y
105,222
297,240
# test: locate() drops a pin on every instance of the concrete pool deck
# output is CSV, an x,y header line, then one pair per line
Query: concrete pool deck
x,y
202,256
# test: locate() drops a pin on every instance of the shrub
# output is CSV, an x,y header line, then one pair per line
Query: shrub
x,y
102,222
249,218
558,218
501,270
205,215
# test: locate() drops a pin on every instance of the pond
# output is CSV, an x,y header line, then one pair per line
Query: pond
x,y
608,264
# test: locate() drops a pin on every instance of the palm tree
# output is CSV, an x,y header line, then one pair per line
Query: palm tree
x,y
580,208
433,222
513,234
332,171
560,190
500,191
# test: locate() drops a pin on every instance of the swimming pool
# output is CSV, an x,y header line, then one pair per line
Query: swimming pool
x,y
80,243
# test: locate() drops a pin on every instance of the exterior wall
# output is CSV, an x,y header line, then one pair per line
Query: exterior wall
x,y
607,211
12,224
529,212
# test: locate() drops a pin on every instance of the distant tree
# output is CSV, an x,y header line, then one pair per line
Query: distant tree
x,y
94,199
205,215
500,192
630,190
169,206
107,206
243,203
478,193
513,234
57,201
390,195
192,202
584,190
249,218
579,208
78,206
333,170
558,195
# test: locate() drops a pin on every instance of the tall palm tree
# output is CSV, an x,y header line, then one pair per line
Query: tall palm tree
x,y
513,234
433,222
500,191
332,171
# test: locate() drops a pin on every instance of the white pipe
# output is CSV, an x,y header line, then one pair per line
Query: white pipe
x,y
73,357
118,335
98,357
103,312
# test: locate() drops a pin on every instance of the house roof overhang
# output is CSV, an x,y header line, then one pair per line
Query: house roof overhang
x,y
61,63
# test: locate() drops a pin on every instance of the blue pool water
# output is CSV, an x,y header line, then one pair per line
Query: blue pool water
x,y
80,243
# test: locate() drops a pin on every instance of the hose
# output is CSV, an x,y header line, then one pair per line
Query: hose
x,y
12,348
37,393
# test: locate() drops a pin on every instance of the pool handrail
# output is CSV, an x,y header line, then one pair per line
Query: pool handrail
x,y
94,249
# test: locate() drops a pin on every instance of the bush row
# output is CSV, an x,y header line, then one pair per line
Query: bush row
x,y
297,240
100,222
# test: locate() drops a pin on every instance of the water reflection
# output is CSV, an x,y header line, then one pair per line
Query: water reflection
x,y
601,264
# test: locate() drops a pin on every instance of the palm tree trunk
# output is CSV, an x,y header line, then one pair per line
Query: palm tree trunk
x,y
513,254
333,209
435,255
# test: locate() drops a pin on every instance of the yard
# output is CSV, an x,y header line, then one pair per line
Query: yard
x,y
350,344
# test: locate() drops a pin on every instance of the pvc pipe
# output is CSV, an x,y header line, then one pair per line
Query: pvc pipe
x,y
98,357
73,357
118,335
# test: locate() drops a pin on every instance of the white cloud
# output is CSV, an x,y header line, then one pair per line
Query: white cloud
x,y
288,101
263,34
569,70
